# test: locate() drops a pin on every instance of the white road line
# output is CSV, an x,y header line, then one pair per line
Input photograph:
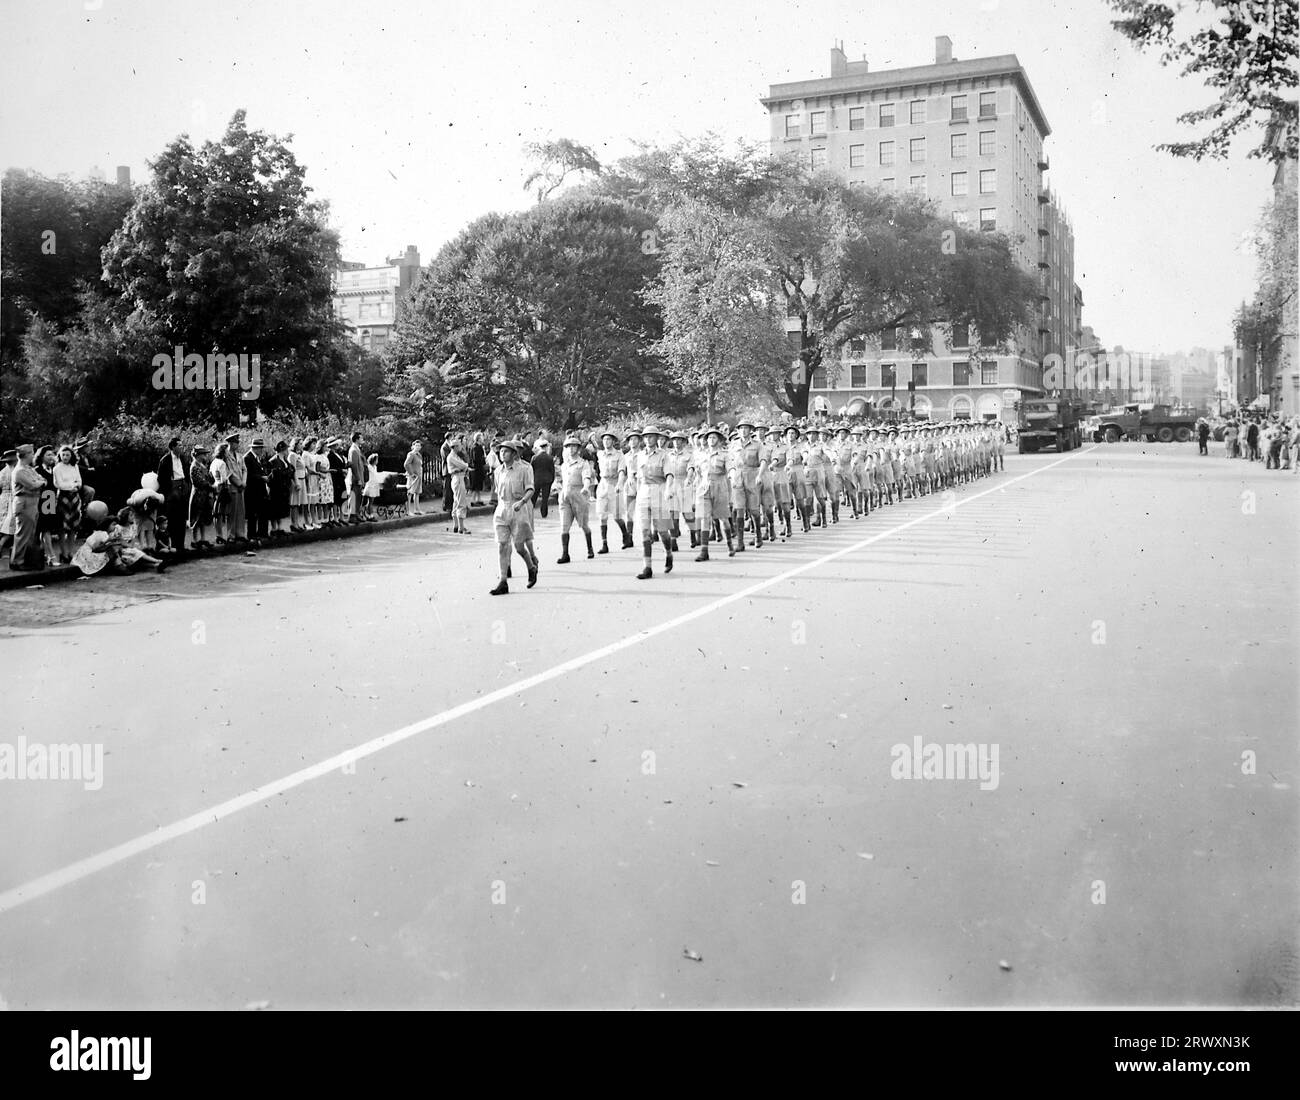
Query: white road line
x,y
83,868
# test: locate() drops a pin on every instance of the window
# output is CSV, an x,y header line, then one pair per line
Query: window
x,y
917,184
889,339
959,183
961,374
959,108
960,335
960,217
819,378
918,111
817,123
887,183
958,143
988,374
858,374
857,118
961,408
857,156
988,218
857,346
886,114
988,181
792,125
886,152
988,142
888,376
818,159
920,374
917,150
988,104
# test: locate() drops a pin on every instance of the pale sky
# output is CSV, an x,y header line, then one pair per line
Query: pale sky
x,y
410,115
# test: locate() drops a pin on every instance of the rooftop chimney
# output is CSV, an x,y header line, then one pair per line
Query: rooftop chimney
x,y
123,176
839,63
942,50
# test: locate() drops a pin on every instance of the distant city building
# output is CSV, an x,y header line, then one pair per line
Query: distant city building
x,y
969,135
370,300
1284,385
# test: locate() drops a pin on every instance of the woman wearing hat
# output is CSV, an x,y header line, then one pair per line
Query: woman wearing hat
x,y
779,471
610,492
815,459
575,492
654,480
631,462
513,520
681,497
800,487
713,492
199,516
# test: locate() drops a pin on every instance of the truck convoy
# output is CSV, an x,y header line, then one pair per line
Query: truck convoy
x,y
1049,422
1154,423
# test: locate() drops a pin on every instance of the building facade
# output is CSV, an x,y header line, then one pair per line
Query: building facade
x,y
370,300
968,134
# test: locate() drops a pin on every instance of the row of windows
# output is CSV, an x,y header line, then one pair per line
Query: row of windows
x,y
963,374
916,148
917,110
988,215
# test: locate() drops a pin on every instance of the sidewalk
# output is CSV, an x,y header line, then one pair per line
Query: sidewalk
x,y
13,578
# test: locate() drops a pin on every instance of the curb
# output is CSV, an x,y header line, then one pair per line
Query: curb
x,y
13,579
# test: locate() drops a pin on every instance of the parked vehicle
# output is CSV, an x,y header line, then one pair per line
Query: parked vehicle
x,y
1154,423
1048,422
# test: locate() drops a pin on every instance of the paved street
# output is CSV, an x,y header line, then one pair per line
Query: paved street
x,y
579,784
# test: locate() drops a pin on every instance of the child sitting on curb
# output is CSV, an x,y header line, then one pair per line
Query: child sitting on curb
x,y
112,545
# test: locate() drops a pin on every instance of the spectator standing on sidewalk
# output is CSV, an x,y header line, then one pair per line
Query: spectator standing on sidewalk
x,y
238,533
1203,435
200,515
478,468
175,486
256,500
357,467
279,490
47,523
220,471
67,484
338,480
28,486
7,464
443,451
413,465
457,469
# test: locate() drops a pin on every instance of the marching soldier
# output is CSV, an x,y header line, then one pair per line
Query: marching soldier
x,y
610,492
815,460
513,520
800,487
779,469
749,456
632,463
681,496
766,481
654,480
575,492
712,492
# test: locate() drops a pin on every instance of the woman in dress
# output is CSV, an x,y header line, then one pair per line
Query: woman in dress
x,y
478,468
67,486
298,494
47,518
279,489
312,468
201,493
458,469
220,471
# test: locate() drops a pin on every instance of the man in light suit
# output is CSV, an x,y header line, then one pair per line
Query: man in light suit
x,y
357,464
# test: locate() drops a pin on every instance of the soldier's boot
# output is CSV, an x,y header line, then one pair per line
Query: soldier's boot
x,y
563,559
695,538
627,534
758,530
670,544
731,549
590,552
646,573
703,542
604,538
835,511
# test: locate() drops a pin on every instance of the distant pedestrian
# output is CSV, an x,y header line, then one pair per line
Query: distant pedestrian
x,y
279,490
543,463
28,485
456,471
478,468
357,467
1203,436
67,484
7,464
174,484
220,471
256,499
236,480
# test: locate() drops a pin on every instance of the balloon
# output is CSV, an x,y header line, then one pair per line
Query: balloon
x,y
97,511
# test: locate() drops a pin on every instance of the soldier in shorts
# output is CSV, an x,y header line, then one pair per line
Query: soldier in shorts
x,y
575,492
513,520
712,493
749,458
609,492
767,481
631,462
681,497
654,482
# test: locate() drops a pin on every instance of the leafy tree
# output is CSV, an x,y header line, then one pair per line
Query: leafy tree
x,y
556,161
723,334
859,262
225,251
51,234
1246,50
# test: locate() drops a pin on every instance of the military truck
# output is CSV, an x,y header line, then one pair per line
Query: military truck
x,y
1154,423
1049,422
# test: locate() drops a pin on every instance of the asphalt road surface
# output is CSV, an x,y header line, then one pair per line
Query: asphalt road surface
x,y
344,776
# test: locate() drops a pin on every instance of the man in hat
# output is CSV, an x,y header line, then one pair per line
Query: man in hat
x,y
712,492
753,465
236,523
256,499
543,463
815,458
610,490
27,487
174,484
575,492
654,480
513,520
